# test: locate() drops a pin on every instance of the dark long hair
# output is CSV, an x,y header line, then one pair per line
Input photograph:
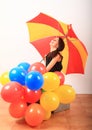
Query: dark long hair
x,y
60,48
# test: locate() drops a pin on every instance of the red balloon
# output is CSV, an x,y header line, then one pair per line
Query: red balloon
x,y
17,110
34,114
61,77
12,92
32,96
38,67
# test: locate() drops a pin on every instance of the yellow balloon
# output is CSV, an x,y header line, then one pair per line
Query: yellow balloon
x,y
66,94
4,78
47,115
49,101
51,81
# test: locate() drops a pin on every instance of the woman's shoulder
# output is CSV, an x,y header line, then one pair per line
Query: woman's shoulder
x,y
60,56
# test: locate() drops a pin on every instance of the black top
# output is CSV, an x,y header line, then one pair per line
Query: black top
x,y
57,67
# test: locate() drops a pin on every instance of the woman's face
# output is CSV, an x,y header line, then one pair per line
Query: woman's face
x,y
54,43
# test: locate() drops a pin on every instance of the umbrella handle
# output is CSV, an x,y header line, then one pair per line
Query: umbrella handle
x,y
43,58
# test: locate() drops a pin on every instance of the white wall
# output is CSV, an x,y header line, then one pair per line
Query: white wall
x,y
14,37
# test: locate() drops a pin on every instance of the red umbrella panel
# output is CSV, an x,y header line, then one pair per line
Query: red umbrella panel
x,y
43,28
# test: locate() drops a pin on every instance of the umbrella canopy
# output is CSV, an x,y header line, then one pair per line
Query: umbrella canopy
x,y
43,28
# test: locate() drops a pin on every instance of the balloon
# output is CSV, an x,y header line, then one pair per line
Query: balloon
x,y
34,114
4,78
18,74
49,101
24,65
32,96
34,80
17,110
38,67
47,115
12,92
61,77
66,94
51,81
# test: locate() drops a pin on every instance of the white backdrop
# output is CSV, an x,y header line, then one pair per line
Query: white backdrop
x,y
14,37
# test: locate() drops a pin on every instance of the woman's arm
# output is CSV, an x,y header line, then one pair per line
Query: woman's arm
x,y
53,62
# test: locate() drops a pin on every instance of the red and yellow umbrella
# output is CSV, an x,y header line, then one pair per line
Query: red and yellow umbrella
x,y
43,28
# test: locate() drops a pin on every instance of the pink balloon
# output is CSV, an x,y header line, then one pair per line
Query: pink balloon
x,y
34,114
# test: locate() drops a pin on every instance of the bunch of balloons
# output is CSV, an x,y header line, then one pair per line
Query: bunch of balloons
x,y
33,93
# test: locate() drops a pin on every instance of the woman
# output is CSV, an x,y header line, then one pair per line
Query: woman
x,y
54,58
54,63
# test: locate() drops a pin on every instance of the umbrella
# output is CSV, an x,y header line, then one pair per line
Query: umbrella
x,y
43,28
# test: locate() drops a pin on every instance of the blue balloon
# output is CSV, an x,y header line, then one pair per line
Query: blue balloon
x,y
17,74
24,65
34,80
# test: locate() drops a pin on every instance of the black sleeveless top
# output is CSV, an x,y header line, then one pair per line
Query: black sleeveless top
x,y
57,67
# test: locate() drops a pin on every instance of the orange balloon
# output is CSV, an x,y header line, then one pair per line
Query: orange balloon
x,y
49,101
17,110
34,114
66,93
51,81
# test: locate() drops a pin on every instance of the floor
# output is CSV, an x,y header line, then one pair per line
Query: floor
x,y
79,117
